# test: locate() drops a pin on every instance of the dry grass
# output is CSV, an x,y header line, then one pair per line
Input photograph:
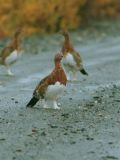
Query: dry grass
x,y
52,15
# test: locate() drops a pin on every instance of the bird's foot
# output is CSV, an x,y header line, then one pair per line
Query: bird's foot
x,y
68,78
46,106
74,79
10,73
55,106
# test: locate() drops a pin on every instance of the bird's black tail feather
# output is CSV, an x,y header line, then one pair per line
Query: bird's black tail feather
x,y
32,102
83,71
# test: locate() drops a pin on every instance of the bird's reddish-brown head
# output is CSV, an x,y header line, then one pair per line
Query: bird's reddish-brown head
x,y
65,33
58,57
18,31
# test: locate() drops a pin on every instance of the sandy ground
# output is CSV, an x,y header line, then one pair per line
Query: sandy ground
x,y
88,125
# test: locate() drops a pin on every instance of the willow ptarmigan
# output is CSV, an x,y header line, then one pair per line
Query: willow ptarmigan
x,y
52,86
11,52
72,60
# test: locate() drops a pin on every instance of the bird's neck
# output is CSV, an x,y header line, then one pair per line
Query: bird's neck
x,y
58,65
60,75
67,38
67,41
67,46
16,43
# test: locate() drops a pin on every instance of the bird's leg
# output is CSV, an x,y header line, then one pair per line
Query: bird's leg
x,y
55,106
44,104
9,71
74,75
67,71
68,76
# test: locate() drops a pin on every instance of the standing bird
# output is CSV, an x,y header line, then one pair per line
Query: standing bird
x,y
72,59
52,86
10,53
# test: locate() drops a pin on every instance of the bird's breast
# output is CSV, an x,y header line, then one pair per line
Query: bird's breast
x,y
54,91
12,57
69,60
60,76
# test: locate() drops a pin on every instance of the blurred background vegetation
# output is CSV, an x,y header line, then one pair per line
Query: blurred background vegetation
x,y
41,16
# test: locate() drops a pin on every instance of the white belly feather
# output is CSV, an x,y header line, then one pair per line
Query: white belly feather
x,y
69,60
11,58
54,91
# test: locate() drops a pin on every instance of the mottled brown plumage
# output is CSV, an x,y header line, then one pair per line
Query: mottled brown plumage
x,y
72,59
10,53
56,76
